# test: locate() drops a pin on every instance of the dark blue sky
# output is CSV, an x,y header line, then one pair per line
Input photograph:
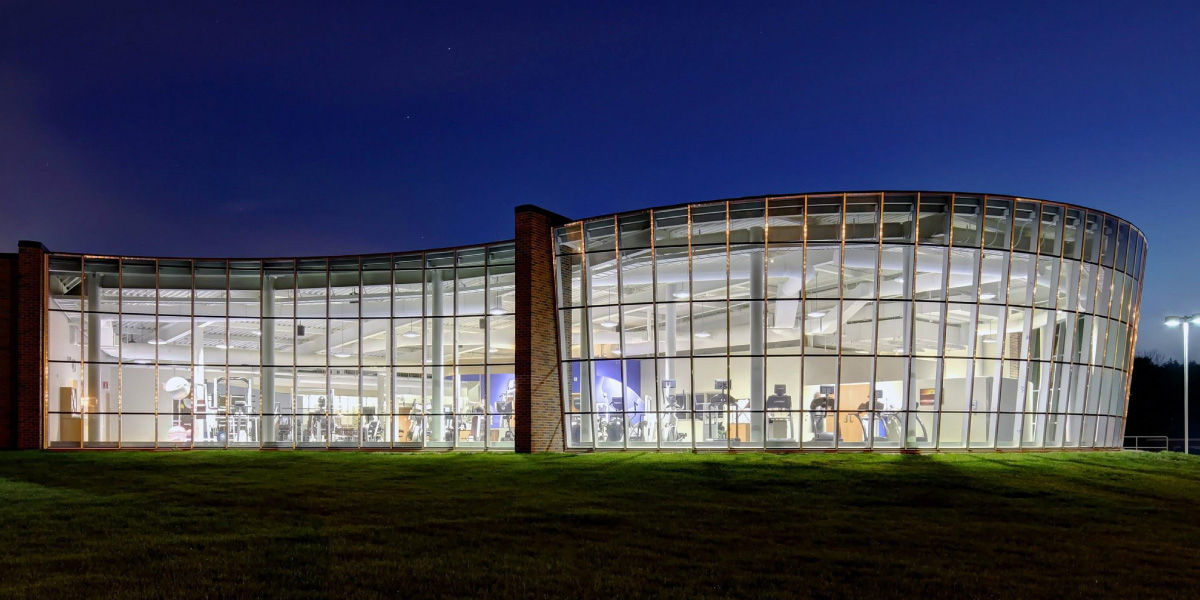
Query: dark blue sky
x,y
240,129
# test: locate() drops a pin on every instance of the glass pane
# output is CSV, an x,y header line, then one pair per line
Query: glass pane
x,y
709,273
1022,274
899,214
637,330
930,281
1091,238
671,271
600,235
470,284
708,224
312,282
862,218
673,328
603,286
824,218
637,276
1045,293
1025,226
997,225
928,323
859,271
993,277
569,239
746,222
1110,242
963,282
1073,233
823,272
895,272
934,222
138,292
968,216
64,283
634,231
819,396
1052,227
671,227
785,218
746,272
821,329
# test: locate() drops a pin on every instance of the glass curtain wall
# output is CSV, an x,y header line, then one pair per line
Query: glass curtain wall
x,y
857,320
387,351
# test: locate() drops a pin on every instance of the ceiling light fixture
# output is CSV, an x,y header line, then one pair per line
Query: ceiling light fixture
x,y
608,321
341,354
703,334
410,333
680,295
987,296
222,347
817,314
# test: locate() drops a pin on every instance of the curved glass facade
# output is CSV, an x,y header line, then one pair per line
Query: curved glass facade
x,y
848,320
383,351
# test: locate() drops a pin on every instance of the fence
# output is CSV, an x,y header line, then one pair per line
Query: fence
x,y
1149,443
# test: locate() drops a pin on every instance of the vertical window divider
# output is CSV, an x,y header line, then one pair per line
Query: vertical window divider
x,y
841,309
878,299
157,358
691,332
659,416
120,353
731,399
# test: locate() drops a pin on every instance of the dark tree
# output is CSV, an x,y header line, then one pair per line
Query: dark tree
x,y
1156,397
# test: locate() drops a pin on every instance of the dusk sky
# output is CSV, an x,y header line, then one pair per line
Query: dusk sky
x,y
222,128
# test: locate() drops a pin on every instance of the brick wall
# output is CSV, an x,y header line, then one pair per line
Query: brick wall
x,y
538,401
8,357
30,324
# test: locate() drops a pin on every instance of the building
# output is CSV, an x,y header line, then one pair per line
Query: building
x,y
864,320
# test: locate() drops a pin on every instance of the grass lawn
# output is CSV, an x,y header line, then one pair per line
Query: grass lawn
x,y
372,525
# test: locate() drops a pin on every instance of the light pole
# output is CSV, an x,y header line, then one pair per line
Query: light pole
x,y
1185,321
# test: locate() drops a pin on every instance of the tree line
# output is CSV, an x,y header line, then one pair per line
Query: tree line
x,y
1156,397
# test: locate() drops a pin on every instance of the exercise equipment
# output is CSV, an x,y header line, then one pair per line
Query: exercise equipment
x,y
779,400
779,426
711,408
675,403
822,403
372,428
242,423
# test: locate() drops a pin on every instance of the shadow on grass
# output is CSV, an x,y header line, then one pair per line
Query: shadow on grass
x,y
268,524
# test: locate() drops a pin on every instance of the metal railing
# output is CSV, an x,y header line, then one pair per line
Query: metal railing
x,y
1148,443
1176,445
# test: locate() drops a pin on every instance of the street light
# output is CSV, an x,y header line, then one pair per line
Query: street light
x,y
1174,321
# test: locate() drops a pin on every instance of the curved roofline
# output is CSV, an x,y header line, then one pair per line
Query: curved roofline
x,y
838,192
266,258
602,216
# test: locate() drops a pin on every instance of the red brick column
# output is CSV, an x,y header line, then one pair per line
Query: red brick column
x,y
8,355
30,325
538,402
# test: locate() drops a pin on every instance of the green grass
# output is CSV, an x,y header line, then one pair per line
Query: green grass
x,y
371,525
